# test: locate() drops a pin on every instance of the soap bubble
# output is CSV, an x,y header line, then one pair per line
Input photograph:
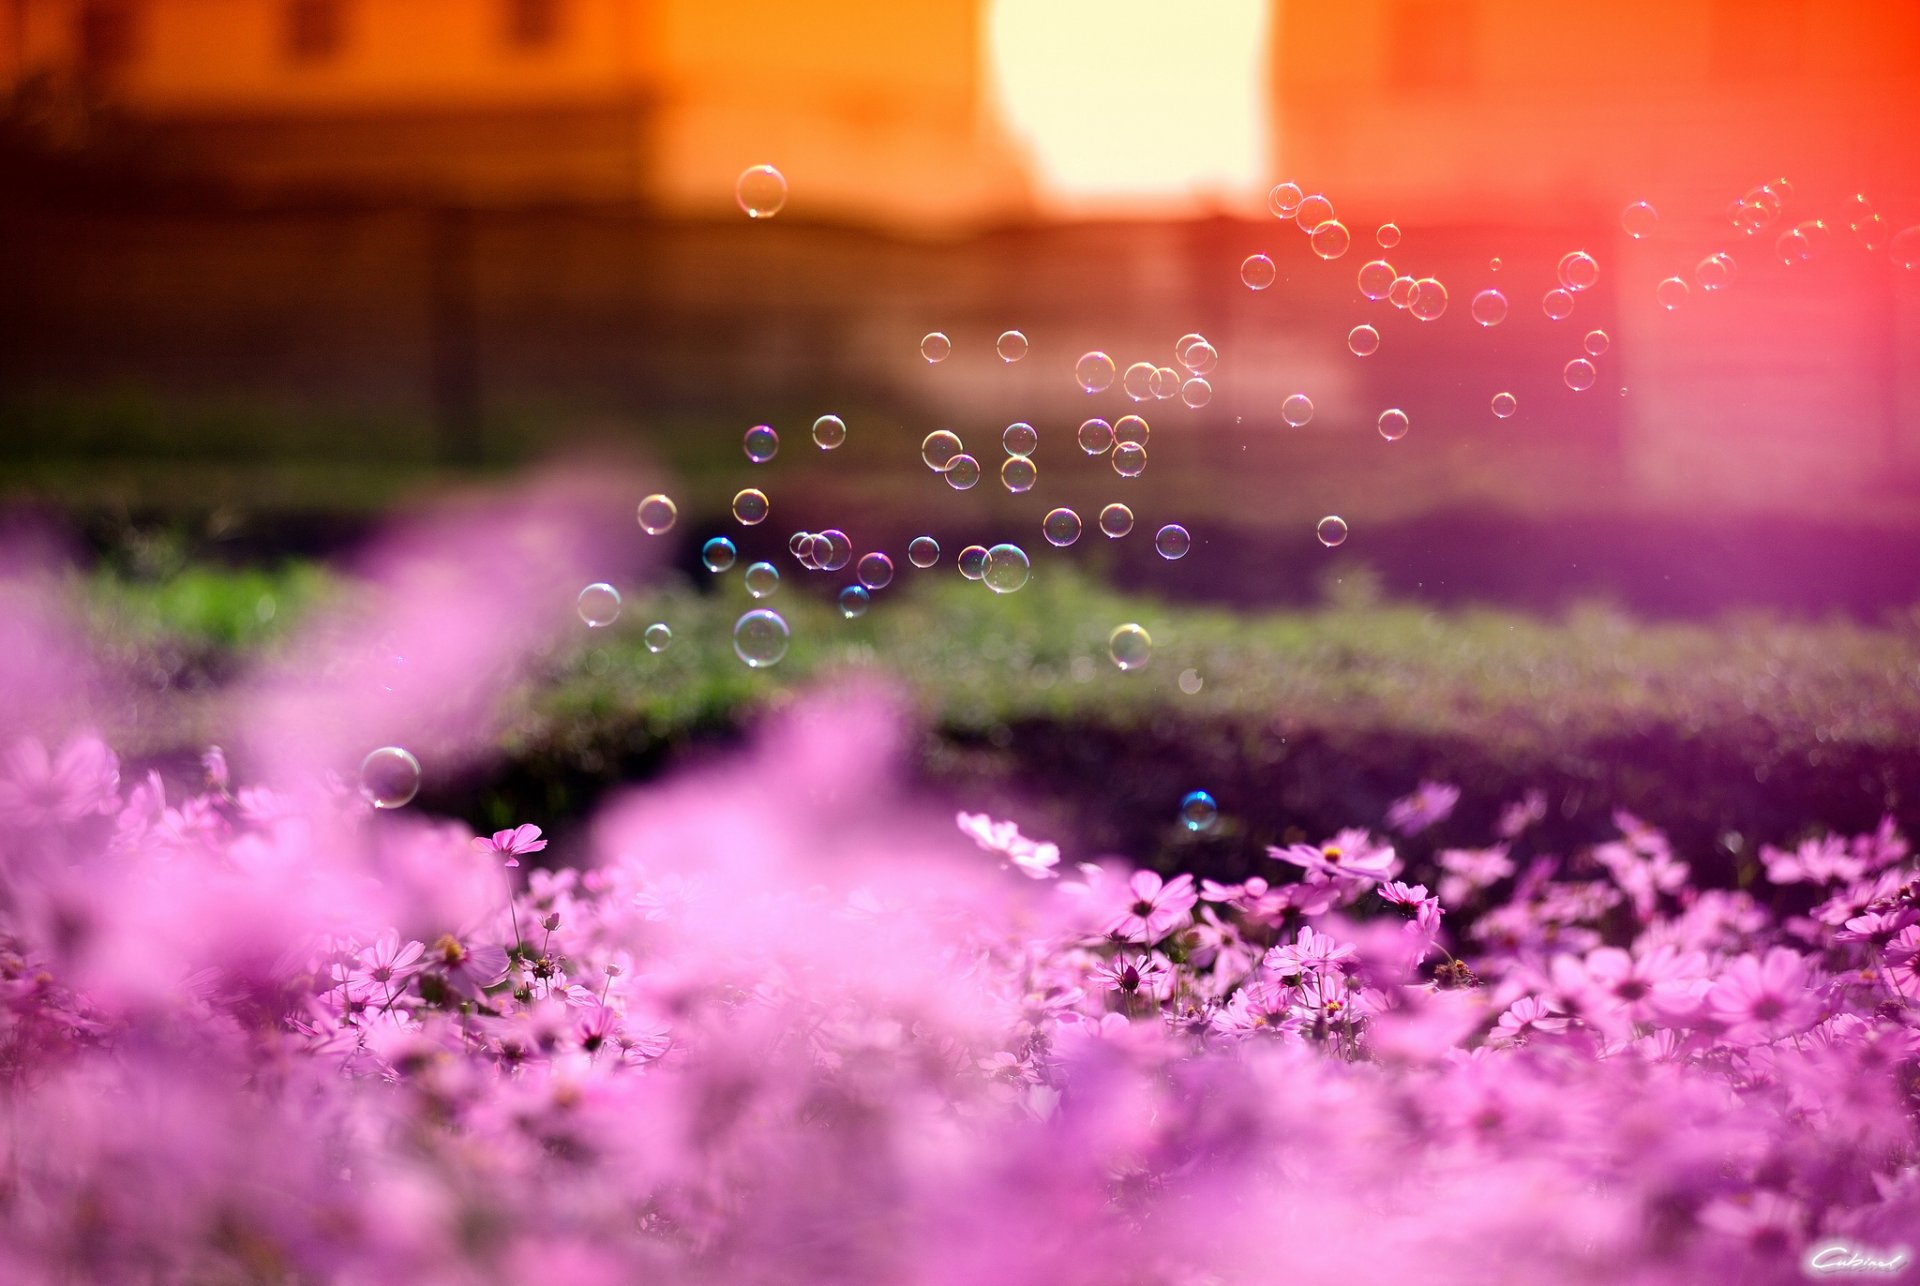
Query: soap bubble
x,y
923,551
1904,248
934,346
1312,212
973,561
1130,646
1493,264
1165,382
1172,542
1185,342
1363,341
1489,307
1116,520
1198,812
750,507
1868,228
598,604
1061,527
829,431
1094,371
1639,220
658,637
1428,300
1200,357
802,545
1006,568
1019,438
1330,239
1376,279
1578,270
838,552
939,448
962,472
761,191
1388,235
1129,459
1297,410
1715,271
853,601
1332,530
760,637
1597,342
762,579
1130,430
875,570
718,554
761,443
1579,375
1137,382
1284,200
657,514
1400,292
1557,304
1392,424
389,777
1018,474
1012,346
1257,271
1196,392
1671,293
1096,437
1504,404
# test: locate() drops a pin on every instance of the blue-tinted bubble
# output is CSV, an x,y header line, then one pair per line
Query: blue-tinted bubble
x,y
853,601
718,554
760,637
762,580
1198,812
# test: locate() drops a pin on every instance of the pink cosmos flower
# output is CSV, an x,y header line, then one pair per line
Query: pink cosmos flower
x,y
1150,909
1763,997
383,968
511,844
1517,817
1526,1017
1146,974
1351,853
1310,952
1615,989
1468,870
1825,860
1032,859
37,788
1430,803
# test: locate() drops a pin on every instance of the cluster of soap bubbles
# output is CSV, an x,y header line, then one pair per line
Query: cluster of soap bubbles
x,y
1313,214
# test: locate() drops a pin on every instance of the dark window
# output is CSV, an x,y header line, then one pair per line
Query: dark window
x,y
107,38
1430,46
533,24
316,29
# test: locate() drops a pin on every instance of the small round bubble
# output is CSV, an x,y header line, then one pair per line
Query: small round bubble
x,y
1130,646
1597,342
923,551
598,605
934,346
1200,357
761,443
1019,474
1094,371
1428,300
1557,304
973,561
1131,430
1297,409
389,777
1489,307
1019,438
658,637
1504,404
1363,341
1400,293
1257,272
1006,569
853,601
1116,520
760,637
1011,346
1165,382
874,570
1671,293
1332,530
1715,271
1312,212
1388,235
1172,542
1376,278
802,545
1096,437
1061,527
1639,220
1196,392
1198,812
1137,382
1904,248
718,554
829,431
962,472
939,448
1129,459
1578,270
1493,264
1579,375
762,579
1284,200
751,507
1392,424
837,551
761,191
656,514
1331,239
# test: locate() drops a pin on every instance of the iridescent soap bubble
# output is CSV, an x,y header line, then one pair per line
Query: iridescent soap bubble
x,y
853,601
1868,228
1312,212
1165,382
1284,200
1639,220
923,551
1376,278
1137,382
829,431
1196,392
389,777
1330,239
1096,436
1579,375
1363,341
1011,346
1332,530
1200,357
802,545
1596,343
973,561
1715,271
718,554
1671,293
1131,430
598,604
1392,424
658,637
1493,264
1172,542
1019,438
1116,520
1018,474
761,443
1400,293
1297,409
1388,235
934,346
1904,248
1578,270
1504,404
1489,307
838,551
1094,371
1061,527
875,570
760,637
1429,299
939,448
751,507
761,191
1557,304
1258,272
1129,459
1185,342
1198,812
762,579
1006,569
961,472
1130,646
656,514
